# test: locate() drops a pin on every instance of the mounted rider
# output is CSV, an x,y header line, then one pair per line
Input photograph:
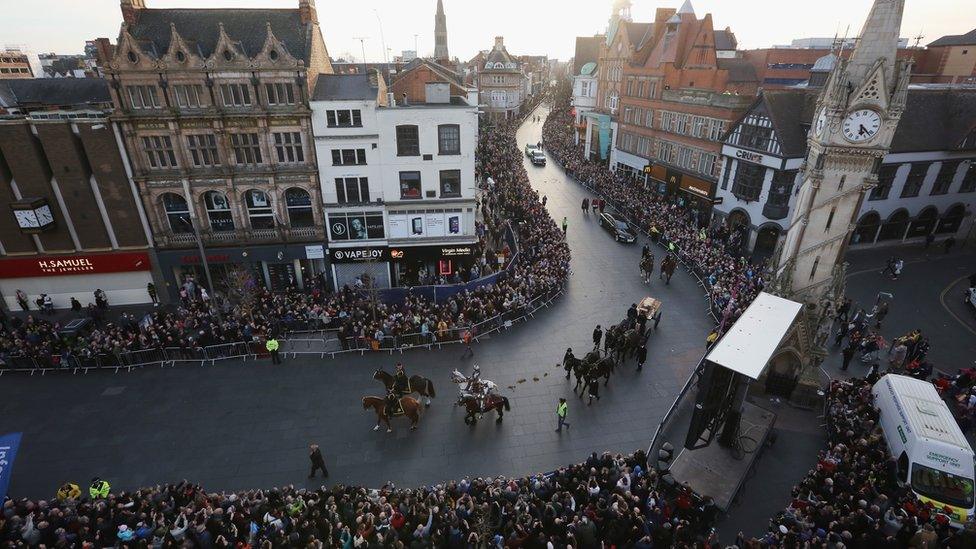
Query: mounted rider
x,y
476,388
392,403
401,383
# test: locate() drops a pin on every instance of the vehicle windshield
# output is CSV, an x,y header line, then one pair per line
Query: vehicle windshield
x,y
942,487
538,154
623,226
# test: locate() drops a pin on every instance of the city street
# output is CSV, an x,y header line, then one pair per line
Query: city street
x,y
247,425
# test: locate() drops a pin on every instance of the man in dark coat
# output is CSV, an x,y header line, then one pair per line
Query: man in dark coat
x,y
318,462
641,356
568,360
597,336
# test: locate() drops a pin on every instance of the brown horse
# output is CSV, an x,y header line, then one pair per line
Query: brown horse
x,y
667,268
492,402
418,384
411,408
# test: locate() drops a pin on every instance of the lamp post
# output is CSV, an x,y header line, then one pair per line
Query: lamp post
x,y
206,266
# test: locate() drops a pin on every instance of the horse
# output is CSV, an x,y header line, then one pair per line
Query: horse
x,y
667,268
584,366
418,384
492,402
647,268
628,343
411,408
603,368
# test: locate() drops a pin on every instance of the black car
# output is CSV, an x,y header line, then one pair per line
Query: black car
x,y
620,229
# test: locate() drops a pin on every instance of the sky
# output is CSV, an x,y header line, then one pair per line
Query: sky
x,y
530,27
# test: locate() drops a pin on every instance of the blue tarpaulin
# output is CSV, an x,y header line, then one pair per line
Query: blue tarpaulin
x,y
9,444
603,125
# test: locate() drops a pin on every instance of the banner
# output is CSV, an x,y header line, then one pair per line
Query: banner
x,y
9,444
57,265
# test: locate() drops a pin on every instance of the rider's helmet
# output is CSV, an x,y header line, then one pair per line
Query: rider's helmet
x,y
399,366
569,350
477,368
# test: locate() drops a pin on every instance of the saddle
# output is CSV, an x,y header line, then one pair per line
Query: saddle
x,y
395,409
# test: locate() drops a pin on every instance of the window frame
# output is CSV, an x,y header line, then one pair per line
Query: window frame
x,y
407,145
450,173
344,185
187,226
159,152
296,211
274,91
216,212
246,145
203,150
239,94
456,140
288,147
419,181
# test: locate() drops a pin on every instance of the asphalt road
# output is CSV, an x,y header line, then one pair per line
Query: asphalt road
x,y
241,425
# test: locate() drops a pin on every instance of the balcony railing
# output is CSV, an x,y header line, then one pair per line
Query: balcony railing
x,y
170,239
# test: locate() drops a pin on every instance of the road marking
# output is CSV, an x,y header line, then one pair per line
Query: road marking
x,y
944,306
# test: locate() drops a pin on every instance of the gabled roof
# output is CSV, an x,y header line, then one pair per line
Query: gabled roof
x,y
501,55
934,120
636,32
447,74
200,28
740,70
587,51
54,92
967,39
725,40
345,87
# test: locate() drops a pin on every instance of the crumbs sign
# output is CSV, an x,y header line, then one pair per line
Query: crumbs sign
x,y
74,265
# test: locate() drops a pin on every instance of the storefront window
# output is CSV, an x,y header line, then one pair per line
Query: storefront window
x,y
218,211
356,226
410,187
177,213
450,183
259,212
299,204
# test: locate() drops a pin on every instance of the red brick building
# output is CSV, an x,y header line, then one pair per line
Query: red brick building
x,y
73,222
411,83
680,92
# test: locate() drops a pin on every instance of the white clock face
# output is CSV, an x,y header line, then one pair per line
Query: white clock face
x,y
26,219
44,216
861,125
821,123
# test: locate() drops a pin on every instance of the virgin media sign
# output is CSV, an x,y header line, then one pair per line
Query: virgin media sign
x,y
124,262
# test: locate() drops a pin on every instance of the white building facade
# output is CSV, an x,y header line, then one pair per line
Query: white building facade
x,y
584,94
398,181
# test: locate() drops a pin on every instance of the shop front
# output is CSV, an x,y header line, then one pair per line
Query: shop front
x,y
123,276
359,266
423,265
275,267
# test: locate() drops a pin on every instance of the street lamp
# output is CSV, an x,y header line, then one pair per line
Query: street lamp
x,y
206,266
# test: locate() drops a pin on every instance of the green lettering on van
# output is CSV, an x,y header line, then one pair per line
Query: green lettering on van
x,y
901,434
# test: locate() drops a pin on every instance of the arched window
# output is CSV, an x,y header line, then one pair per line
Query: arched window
x,y
299,205
499,66
924,223
951,220
259,213
177,213
894,228
867,228
218,211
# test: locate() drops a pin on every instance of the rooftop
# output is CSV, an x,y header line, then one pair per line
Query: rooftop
x,y
345,87
967,39
54,92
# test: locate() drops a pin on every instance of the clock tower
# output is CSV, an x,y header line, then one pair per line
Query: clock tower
x,y
854,123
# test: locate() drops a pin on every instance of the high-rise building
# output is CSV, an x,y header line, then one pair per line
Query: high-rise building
x,y
440,34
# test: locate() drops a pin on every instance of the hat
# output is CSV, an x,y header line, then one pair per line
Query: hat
x,y
783,529
123,527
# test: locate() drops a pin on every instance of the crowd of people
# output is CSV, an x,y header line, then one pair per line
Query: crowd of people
x,y
539,270
712,252
608,500
852,497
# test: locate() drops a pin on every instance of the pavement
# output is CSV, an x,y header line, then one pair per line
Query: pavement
x,y
242,425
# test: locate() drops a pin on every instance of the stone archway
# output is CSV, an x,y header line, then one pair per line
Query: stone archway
x,y
783,373
766,241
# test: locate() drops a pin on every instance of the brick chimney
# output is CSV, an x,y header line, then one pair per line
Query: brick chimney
x,y
306,10
104,49
130,10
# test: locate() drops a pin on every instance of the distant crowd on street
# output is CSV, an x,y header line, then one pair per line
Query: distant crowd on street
x,y
539,270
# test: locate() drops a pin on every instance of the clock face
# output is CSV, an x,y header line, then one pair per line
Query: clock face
x,y
44,216
26,219
861,125
821,123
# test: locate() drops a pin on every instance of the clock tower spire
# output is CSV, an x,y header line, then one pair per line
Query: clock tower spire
x,y
856,117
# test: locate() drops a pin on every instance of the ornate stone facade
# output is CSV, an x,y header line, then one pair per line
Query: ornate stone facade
x,y
213,108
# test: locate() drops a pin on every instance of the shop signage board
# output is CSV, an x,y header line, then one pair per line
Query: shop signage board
x,y
25,267
359,254
424,224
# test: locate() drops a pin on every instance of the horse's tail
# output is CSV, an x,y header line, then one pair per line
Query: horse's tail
x,y
430,388
505,402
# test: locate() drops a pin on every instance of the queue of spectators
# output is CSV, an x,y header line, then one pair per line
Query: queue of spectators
x,y
540,270
712,252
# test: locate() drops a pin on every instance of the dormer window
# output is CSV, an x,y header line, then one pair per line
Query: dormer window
x,y
180,56
273,55
228,55
487,65
133,58
499,66
511,65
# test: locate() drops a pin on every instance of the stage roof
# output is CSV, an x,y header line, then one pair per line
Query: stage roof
x,y
747,347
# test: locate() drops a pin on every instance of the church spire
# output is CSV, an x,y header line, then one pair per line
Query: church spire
x,y
878,41
440,33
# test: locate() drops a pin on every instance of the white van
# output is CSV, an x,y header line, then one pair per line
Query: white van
x,y
933,455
